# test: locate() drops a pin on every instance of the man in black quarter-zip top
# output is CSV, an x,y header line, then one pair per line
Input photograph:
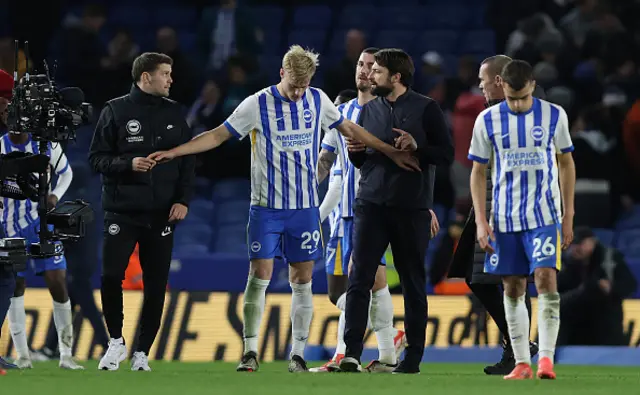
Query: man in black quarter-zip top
x,y
392,204
141,202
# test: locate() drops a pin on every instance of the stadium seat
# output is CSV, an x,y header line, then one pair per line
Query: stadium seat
x,y
441,41
362,17
187,40
478,41
401,17
230,189
190,248
628,242
629,220
450,16
194,234
605,236
202,210
318,17
231,239
130,16
268,17
233,212
272,41
176,16
307,38
202,187
394,38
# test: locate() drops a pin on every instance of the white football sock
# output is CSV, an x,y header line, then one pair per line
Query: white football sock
x,y
518,322
341,347
62,318
548,323
381,317
254,300
301,315
17,327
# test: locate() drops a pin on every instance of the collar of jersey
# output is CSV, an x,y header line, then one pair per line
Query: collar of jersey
x,y
142,97
505,107
276,93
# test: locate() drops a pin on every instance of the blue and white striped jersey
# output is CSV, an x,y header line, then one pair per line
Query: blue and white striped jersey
x,y
334,142
18,214
522,148
285,144
335,216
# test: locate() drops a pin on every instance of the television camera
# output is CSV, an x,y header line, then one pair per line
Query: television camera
x,y
49,115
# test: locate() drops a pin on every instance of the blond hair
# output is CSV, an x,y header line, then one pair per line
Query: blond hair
x,y
300,63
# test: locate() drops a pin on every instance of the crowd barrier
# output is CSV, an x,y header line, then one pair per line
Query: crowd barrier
x,y
207,326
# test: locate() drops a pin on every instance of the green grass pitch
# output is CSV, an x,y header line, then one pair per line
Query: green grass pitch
x,y
181,378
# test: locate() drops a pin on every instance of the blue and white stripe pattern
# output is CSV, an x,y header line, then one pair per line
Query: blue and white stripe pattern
x,y
285,143
335,216
334,142
523,148
18,214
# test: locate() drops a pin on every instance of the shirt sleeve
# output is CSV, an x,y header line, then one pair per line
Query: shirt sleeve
x,y
480,149
562,137
244,118
330,142
330,117
60,164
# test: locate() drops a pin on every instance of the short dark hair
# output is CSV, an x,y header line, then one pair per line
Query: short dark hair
x,y
496,63
148,62
517,74
371,50
397,61
346,95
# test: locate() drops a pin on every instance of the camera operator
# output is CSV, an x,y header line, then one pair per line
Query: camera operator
x,y
142,203
7,277
20,219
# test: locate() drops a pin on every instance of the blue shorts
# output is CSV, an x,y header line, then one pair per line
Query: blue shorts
x,y
334,263
295,235
39,266
521,253
347,242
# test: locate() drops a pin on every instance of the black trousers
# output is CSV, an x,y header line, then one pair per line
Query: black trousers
x,y
155,247
408,232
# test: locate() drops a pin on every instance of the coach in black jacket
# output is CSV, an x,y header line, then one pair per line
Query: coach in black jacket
x,y
392,206
142,202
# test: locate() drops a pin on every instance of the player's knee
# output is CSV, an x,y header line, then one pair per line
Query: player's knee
x,y
546,280
261,269
301,273
514,287
20,287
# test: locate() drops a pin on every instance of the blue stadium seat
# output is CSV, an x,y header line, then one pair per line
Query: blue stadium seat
x,y
190,233
401,17
202,210
233,212
202,186
454,16
307,38
318,17
478,17
187,39
478,42
634,267
145,38
396,2
231,239
628,242
361,17
270,66
130,16
176,16
605,236
394,38
190,248
442,41
268,17
229,189
272,42
630,220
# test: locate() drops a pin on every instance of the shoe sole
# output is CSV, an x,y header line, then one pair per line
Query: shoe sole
x,y
349,367
121,359
547,376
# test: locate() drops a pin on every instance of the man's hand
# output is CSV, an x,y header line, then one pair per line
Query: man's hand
x,y
567,232
355,145
162,156
435,225
52,201
405,142
178,212
605,285
483,234
143,164
405,160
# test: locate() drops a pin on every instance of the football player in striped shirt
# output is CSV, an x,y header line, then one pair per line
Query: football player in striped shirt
x,y
528,143
284,122
391,341
20,219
